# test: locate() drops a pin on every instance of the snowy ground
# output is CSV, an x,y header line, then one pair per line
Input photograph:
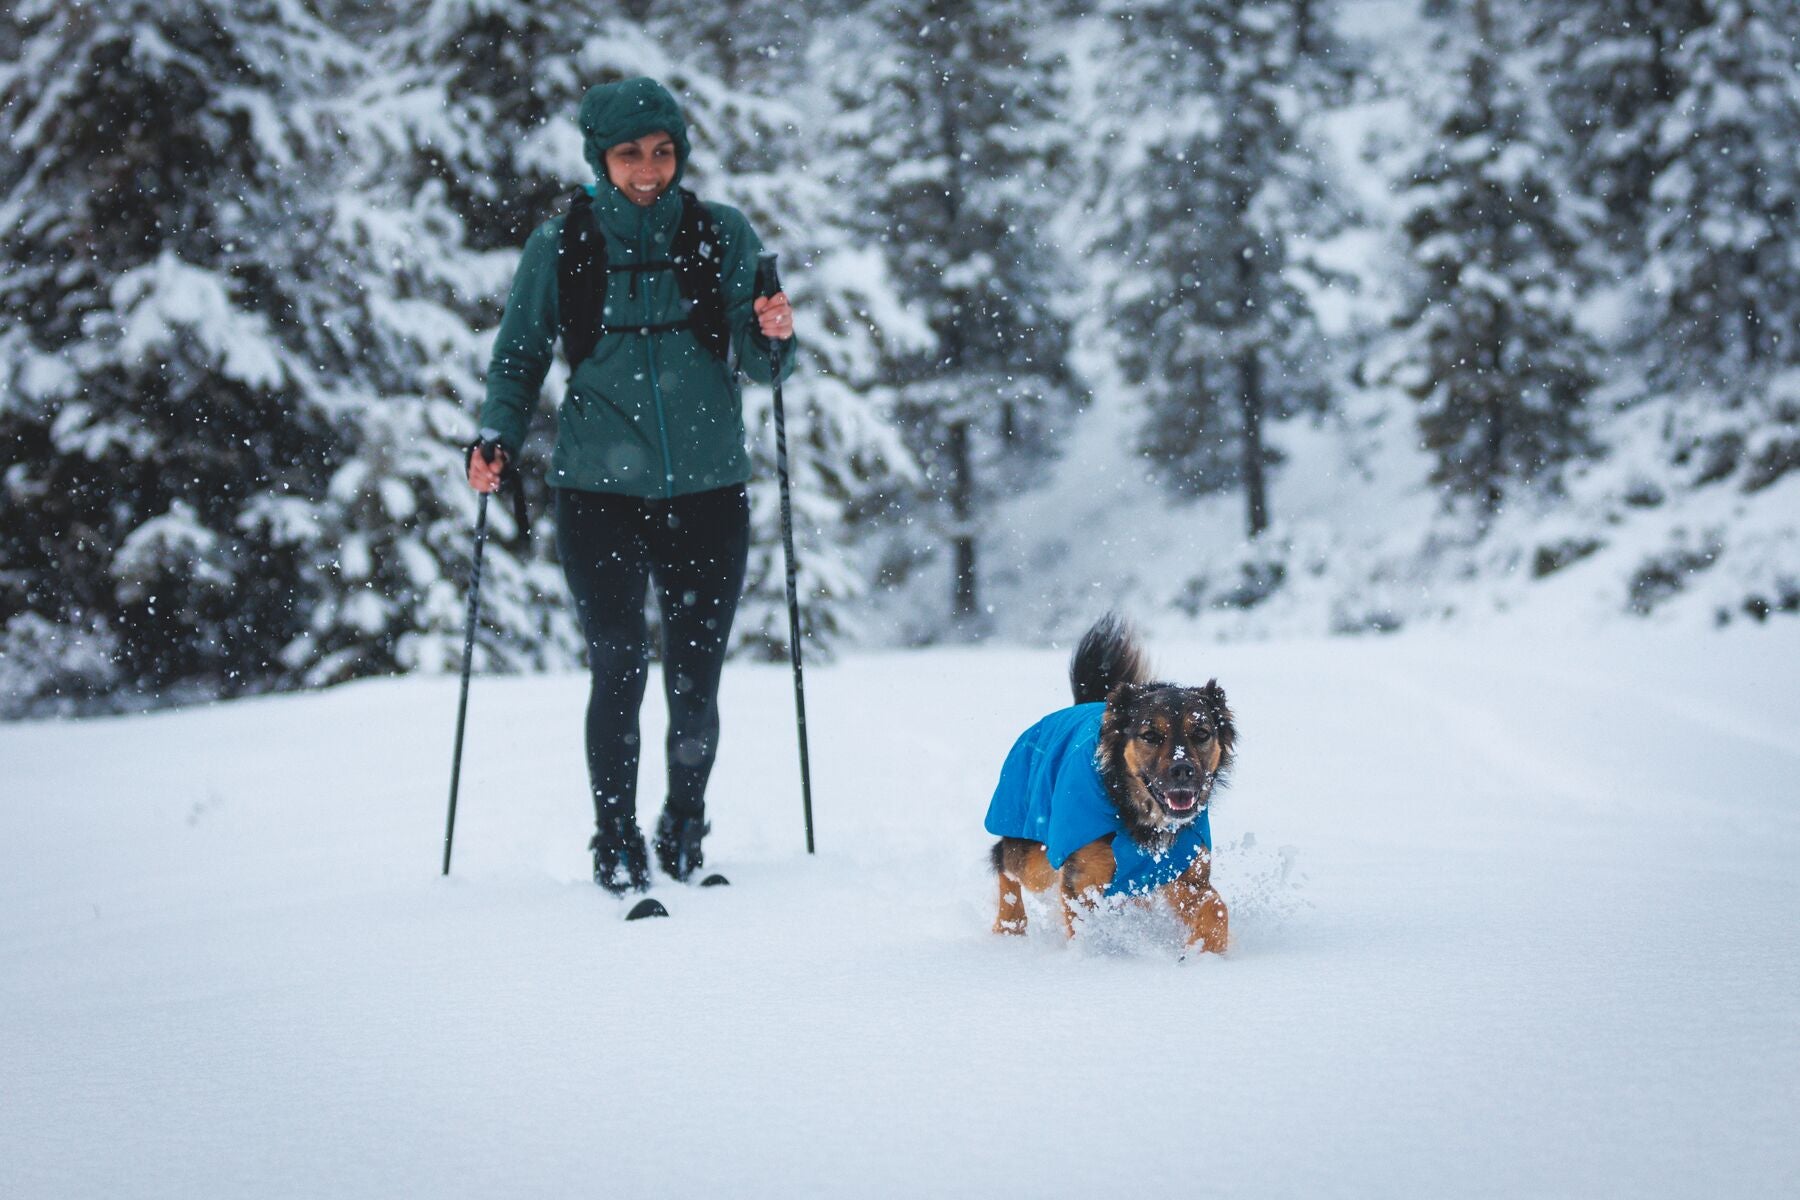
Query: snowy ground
x,y
1515,916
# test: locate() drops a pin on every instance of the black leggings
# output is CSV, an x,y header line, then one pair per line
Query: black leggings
x,y
694,548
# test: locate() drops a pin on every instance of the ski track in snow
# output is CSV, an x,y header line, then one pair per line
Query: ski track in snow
x,y
1514,915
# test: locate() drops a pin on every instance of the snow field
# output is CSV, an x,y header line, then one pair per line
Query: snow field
x,y
1514,915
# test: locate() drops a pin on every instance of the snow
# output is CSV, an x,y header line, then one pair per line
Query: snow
x,y
162,299
1513,911
176,536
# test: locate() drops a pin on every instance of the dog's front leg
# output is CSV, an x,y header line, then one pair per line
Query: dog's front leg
x,y
1085,875
1200,907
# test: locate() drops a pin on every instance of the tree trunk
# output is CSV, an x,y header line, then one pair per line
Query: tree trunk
x,y
1753,326
1481,63
1303,26
962,540
1493,448
953,349
1250,388
1662,74
1249,360
1487,349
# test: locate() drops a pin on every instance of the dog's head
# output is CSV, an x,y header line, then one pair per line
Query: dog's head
x,y
1162,751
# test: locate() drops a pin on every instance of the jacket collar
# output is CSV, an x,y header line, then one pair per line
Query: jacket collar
x,y
630,223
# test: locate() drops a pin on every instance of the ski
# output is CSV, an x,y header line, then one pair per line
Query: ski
x,y
649,906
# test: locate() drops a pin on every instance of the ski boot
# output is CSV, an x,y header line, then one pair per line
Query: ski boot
x,y
678,844
620,863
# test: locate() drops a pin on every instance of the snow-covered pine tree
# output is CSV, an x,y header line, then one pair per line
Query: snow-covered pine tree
x,y
165,454
1611,77
508,75
950,122
1202,186
1491,350
1724,234
744,76
482,101
457,141
1682,113
1720,249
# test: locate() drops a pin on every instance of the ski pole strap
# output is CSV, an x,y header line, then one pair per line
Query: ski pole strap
x,y
521,510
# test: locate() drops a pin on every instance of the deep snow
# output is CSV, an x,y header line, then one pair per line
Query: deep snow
x,y
1515,915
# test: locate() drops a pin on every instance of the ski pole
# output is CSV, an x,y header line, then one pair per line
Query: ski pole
x,y
490,441
768,283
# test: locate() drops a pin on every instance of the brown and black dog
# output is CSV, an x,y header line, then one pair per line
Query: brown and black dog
x,y
1159,752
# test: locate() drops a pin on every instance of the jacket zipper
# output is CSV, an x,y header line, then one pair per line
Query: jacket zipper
x,y
662,424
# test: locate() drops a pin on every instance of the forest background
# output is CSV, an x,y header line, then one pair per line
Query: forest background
x,y
1252,318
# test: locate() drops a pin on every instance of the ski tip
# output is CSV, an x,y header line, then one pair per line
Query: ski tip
x,y
647,907
715,880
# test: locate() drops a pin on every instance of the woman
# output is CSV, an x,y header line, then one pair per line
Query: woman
x,y
651,293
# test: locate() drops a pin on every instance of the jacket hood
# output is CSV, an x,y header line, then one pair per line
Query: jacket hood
x,y
625,111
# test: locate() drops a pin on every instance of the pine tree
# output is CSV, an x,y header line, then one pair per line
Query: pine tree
x,y
1491,350
508,79
456,143
746,83
1724,237
1611,75
165,451
1205,186
949,119
1684,114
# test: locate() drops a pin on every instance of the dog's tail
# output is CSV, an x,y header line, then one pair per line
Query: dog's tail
x,y
1108,655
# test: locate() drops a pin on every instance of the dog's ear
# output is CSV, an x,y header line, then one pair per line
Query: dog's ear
x,y
1124,695
1119,703
1218,712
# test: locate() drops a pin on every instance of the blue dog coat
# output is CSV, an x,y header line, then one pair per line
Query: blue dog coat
x,y
1050,791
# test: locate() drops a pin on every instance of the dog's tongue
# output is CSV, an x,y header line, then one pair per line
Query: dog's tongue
x,y
1180,801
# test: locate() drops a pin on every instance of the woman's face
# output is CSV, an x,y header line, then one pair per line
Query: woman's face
x,y
643,169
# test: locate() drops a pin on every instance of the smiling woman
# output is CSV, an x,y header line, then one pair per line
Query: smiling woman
x,y
643,169
650,291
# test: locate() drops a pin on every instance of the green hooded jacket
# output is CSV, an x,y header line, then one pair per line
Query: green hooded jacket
x,y
653,414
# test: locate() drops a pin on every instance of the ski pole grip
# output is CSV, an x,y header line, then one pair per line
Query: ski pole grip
x,y
768,276
488,443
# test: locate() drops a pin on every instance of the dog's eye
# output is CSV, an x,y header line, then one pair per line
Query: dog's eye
x,y
1150,737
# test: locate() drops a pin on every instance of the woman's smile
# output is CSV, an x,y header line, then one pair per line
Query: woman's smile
x,y
643,169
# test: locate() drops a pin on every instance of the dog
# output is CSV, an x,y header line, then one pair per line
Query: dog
x,y
1111,796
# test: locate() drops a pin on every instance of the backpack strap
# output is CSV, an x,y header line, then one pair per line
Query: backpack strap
x,y
581,279
696,257
699,266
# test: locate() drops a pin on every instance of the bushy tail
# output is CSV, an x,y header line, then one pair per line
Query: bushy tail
x,y
1108,655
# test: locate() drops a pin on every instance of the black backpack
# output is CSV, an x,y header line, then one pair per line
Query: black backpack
x,y
695,256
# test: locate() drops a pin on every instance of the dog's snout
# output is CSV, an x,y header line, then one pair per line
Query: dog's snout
x,y
1181,772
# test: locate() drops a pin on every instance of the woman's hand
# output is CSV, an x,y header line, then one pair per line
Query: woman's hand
x,y
774,317
484,476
